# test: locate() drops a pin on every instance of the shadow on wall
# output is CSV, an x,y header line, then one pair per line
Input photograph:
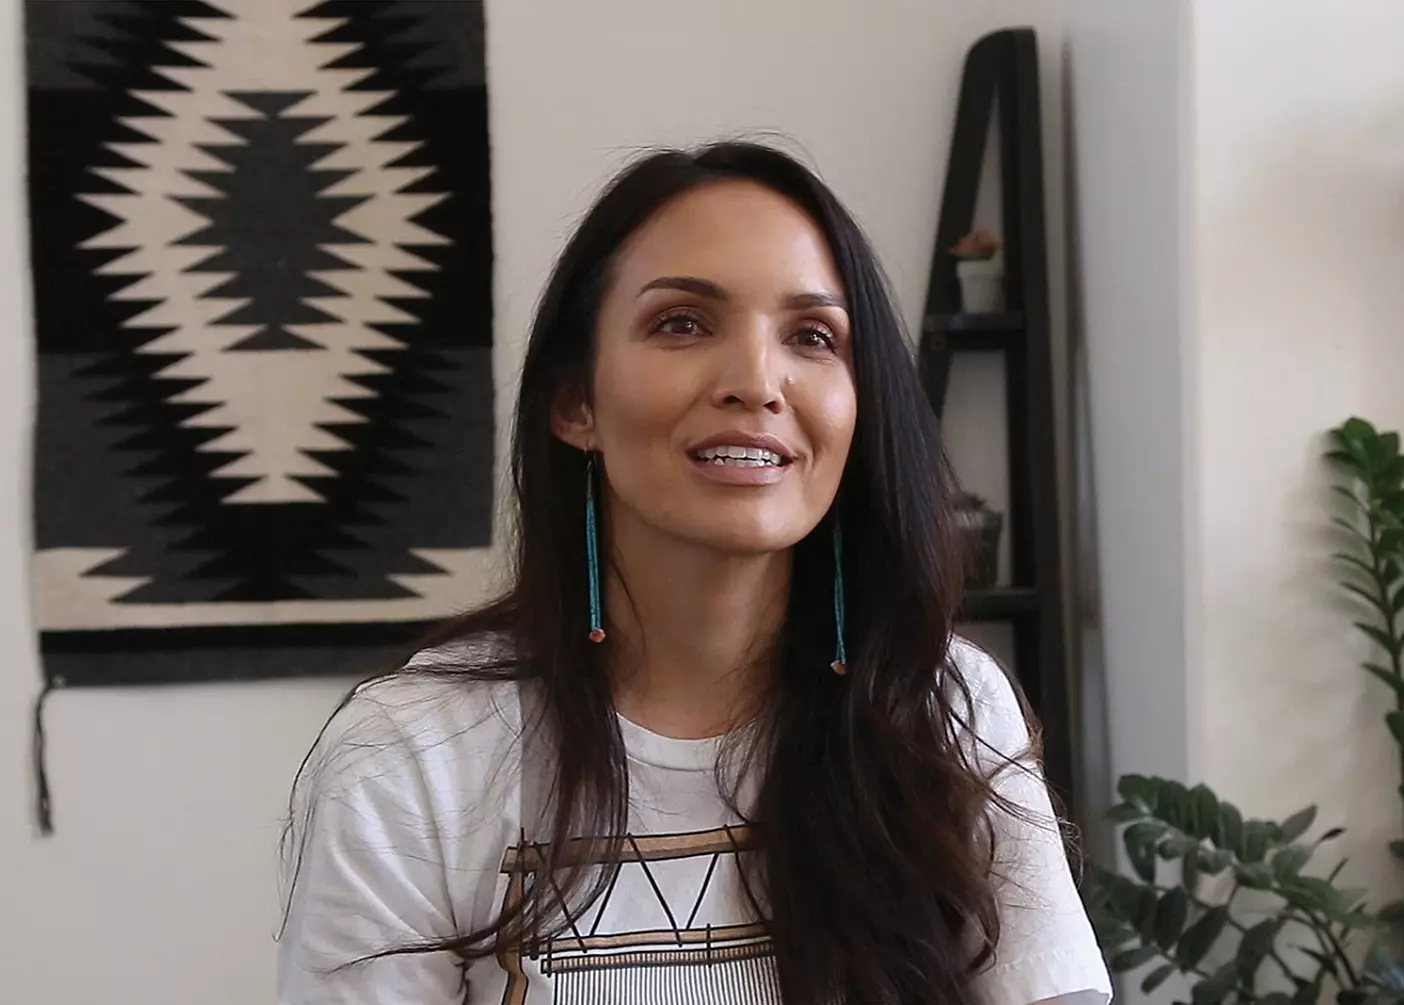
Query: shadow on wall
x,y
1092,758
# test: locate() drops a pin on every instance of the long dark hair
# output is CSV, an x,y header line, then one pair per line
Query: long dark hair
x,y
874,823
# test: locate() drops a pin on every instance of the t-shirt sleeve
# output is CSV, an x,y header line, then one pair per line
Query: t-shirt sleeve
x,y
1046,949
365,873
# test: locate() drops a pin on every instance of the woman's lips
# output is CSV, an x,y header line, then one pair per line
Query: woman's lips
x,y
729,473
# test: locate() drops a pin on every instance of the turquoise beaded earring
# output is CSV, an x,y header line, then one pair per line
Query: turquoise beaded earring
x,y
592,552
840,663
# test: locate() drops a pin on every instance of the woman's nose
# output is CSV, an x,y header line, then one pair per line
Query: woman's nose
x,y
751,374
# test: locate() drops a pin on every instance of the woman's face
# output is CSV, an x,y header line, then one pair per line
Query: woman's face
x,y
723,402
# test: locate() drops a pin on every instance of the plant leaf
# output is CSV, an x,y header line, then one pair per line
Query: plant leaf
x,y
1298,824
1289,861
1349,528
1177,846
1370,598
1362,919
1123,813
1133,958
1146,905
1170,917
1138,791
1140,840
1230,827
1391,538
1256,834
1384,674
1396,848
1216,989
1255,945
1393,911
1395,722
1255,876
1380,637
1358,564
1355,430
1349,493
1157,977
1189,871
1327,963
1206,812
1348,898
1175,805
1330,835
1311,893
1168,809
1200,937
1216,861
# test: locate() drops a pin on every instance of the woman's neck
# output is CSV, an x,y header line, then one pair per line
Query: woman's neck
x,y
692,632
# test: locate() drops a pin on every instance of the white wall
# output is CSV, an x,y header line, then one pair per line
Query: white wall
x,y
1299,219
158,888
1238,183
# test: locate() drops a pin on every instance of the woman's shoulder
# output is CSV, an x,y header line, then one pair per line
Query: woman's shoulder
x,y
994,716
984,679
446,707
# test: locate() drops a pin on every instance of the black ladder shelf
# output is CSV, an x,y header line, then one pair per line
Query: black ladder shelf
x,y
1001,71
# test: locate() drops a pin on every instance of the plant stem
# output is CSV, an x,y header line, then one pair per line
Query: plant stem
x,y
1273,953
1327,940
1396,652
1239,926
1341,955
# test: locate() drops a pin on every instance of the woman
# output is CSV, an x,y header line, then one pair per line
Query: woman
x,y
717,743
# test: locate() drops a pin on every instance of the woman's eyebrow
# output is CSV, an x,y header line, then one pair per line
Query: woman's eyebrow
x,y
712,291
805,301
687,284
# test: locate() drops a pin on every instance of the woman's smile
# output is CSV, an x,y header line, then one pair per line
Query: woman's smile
x,y
742,459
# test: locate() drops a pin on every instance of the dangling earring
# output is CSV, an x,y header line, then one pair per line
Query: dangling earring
x,y
840,663
592,556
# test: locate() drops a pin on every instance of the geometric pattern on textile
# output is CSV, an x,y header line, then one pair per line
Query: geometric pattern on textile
x,y
262,267
677,938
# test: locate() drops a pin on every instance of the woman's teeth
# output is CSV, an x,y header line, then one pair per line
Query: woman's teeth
x,y
741,457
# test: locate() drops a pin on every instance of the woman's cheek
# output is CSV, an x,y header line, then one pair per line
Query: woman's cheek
x,y
833,413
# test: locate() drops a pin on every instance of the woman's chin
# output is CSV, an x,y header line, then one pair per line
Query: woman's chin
x,y
747,538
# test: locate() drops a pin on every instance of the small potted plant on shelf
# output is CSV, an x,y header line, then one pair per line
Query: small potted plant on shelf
x,y
980,271
979,528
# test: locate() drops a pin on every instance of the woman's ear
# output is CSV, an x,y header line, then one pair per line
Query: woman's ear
x,y
571,418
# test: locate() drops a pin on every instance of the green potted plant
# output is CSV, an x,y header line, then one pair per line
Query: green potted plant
x,y
980,528
1229,903
980,271
1372,565
1192,855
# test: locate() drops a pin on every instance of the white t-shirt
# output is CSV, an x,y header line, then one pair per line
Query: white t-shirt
x,y
421,806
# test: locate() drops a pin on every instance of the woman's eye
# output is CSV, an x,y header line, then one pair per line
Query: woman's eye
x,y
681,325
814,338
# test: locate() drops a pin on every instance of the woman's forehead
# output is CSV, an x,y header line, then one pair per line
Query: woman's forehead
x,y
738,235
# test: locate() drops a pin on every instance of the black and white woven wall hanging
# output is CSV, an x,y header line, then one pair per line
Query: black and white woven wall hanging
x,y
261,247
